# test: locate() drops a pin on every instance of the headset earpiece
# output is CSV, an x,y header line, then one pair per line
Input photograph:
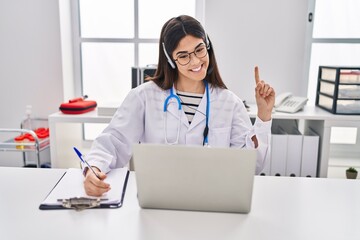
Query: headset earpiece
x,y
172,64
207,42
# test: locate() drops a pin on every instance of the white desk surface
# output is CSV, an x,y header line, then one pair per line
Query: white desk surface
x,y
309,113
282,208
89,117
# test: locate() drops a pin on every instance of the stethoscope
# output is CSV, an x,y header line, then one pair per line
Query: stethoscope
x,y
206,130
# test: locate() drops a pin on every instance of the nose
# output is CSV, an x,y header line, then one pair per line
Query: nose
x,y
194,59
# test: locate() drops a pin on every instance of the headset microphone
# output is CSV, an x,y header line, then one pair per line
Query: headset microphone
x,y
172,64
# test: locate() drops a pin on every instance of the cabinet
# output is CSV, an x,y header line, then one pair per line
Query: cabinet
x,y
66,132
318,119
37,144
338,89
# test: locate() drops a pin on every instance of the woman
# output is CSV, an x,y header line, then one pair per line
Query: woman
x,y
187,76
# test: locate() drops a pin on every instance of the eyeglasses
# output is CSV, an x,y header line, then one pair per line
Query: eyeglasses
x,y
184,58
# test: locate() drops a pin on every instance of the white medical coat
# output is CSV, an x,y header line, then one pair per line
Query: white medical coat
x,y
141,118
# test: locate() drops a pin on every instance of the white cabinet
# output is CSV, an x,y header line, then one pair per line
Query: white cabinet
x,y
321,122
316,118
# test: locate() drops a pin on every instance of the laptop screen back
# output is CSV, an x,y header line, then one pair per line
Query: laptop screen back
x,y
194,177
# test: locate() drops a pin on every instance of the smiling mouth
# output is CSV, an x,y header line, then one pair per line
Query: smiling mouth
x,y
196,69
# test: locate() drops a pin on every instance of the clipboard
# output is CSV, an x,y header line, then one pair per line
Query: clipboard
x,y
69,192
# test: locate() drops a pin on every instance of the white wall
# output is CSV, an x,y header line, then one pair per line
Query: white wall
x,y
30,62
270,34
244,33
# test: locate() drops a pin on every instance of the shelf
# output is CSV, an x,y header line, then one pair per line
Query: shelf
x,y
89,117
12,146
31,141
311,116
344,162
308,113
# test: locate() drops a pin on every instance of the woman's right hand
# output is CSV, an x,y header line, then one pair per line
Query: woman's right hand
x,y
93,185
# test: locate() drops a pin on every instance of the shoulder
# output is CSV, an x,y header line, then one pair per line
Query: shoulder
x,y
226,100
148,91
225,95
146,87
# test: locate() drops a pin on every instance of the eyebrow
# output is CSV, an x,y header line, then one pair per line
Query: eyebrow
x,y
194,49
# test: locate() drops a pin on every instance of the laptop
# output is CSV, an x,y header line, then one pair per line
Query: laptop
x,y
194,177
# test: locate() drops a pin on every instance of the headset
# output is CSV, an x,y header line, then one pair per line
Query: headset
x,y
171,63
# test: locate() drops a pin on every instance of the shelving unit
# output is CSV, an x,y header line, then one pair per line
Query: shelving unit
x,y
338,89
316,118
319,120
36,146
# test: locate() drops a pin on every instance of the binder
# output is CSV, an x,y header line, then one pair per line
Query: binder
x,y
294,153
69,191
310,152
266,169
278,152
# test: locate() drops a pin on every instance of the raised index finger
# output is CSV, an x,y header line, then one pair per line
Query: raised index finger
x,y
257,76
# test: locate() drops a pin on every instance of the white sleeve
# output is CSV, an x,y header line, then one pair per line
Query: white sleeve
x,y
112,148
262,130
243,131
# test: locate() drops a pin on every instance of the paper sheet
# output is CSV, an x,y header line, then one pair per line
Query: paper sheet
x,y
72,185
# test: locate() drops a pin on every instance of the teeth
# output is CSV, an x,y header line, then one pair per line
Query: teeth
x,y
196,69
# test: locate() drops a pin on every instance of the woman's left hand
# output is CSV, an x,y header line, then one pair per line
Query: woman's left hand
x,y
265,97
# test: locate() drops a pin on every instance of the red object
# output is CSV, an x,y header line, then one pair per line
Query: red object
x,y
77,106
40,133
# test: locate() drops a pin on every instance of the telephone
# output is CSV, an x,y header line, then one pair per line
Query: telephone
x,y
286,102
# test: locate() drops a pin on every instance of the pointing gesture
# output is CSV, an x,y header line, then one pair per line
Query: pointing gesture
x,y
257,77
265,97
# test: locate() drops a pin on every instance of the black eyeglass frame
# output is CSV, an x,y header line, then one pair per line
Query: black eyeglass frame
x,y
193,52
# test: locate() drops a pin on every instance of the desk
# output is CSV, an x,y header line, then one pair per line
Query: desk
x,y
317,118
283,208
59,117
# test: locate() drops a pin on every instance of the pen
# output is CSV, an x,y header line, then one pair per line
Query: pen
x,y
84,161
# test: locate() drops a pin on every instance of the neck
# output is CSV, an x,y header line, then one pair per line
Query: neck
x,y
190,87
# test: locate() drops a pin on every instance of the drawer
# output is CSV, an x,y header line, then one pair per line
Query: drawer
x,y
325,102
346,75
349,76
327,88
344,91
342,106
349,91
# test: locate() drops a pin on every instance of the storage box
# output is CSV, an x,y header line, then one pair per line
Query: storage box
x,y
338,89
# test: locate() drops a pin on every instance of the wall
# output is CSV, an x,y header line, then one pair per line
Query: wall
x,y
30,63
33,72
270,34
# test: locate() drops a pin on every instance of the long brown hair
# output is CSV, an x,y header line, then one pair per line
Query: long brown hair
x,y
172,32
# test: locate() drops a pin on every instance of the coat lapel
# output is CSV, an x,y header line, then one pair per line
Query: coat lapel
x,y
200,115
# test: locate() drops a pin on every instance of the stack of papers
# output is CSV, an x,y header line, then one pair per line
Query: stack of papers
x,y
71,185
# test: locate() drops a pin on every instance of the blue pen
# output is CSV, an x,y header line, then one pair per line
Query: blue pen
x,y
84,161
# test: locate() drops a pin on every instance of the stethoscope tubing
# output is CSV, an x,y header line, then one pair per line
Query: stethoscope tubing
x,y
206,130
